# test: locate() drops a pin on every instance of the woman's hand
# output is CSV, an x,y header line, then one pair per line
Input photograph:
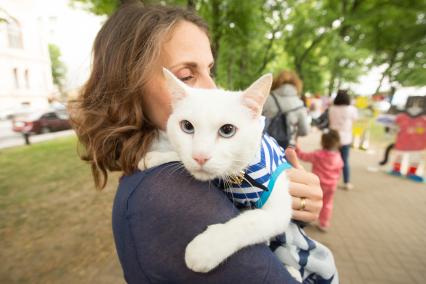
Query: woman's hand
x,y
305,190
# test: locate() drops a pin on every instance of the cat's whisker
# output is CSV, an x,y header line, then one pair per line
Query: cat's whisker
x,y
226,185
177,167
247,198
172,166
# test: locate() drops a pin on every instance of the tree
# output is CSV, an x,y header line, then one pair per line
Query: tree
x,y
98,7
57,66
328,42
395,34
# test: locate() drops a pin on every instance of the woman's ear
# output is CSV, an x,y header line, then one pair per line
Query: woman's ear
x,y
254,97
176,87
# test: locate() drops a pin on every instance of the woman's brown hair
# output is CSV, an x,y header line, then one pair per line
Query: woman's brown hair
x,y
108,116
287,77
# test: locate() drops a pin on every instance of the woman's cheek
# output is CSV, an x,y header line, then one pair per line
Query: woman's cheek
x,y
157,103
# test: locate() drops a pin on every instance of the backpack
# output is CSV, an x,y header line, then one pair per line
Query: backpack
x,y
322,122
277,126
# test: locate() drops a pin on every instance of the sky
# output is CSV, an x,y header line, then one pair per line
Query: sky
x,y
75,30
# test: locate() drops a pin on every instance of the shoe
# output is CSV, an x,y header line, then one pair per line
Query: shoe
x,y
349,186
395,173
346,186
416,178
321,228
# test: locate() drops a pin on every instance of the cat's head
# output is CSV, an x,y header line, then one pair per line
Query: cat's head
x,y
216,133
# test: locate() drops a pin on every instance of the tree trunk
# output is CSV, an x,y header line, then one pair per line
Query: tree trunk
x,y
216,31
190,4
230,73
267,58
339,84
381,81
386,72
332,82
392,94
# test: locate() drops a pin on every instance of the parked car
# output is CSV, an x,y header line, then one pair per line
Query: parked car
x,y
41,122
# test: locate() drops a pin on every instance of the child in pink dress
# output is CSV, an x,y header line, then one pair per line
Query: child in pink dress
x,y
327,164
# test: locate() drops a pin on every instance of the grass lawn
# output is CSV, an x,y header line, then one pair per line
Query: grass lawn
x,y
55,227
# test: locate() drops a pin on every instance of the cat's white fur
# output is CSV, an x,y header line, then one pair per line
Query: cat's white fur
x,y
208,110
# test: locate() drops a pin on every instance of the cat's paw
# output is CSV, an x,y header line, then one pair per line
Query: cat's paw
x,y
141,165
295,273
208,249
150,160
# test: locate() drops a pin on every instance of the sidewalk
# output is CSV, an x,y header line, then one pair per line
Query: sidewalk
x,y
379,227
19,140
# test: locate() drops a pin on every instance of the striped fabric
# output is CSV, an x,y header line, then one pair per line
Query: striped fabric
x,y
270,156
314,261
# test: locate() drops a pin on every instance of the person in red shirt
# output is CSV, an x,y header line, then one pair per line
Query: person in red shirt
x,y
411,138
327,164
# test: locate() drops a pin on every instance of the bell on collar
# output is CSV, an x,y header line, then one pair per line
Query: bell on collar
x,y
237,179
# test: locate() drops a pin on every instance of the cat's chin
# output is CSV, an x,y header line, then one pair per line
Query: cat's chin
x,y
202,175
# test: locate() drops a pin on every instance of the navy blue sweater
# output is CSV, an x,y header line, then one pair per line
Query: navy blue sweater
x,y
158,212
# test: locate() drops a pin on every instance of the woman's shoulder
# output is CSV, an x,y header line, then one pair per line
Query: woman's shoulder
x,y
340,110
155,176
342,107
131,185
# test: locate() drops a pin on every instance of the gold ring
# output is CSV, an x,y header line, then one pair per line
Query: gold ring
x,y
302,203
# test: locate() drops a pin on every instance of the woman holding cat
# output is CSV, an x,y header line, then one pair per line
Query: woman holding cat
x,y
157,212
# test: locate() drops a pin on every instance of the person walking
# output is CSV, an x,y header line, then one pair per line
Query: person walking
x,y
285,97
327,164
341,117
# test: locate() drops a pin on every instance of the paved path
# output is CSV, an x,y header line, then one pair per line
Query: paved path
x,y
378,231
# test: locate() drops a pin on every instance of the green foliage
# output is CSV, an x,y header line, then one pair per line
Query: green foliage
x,y
240,40
58,67
98,7
394,33
328,42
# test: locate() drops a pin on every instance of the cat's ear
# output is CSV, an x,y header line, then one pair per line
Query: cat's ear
x,y
176,87
254,97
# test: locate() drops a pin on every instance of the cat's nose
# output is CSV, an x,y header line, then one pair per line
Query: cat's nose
x,y
201,159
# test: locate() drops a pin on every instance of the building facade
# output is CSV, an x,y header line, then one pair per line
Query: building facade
x,y
25,69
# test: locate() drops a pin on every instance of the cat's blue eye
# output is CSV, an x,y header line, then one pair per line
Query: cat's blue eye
x,y
227,131
187,126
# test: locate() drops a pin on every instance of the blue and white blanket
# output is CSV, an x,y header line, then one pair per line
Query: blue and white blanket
x,y
294,248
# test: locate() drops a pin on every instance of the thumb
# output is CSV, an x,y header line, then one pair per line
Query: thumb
x,y
291,156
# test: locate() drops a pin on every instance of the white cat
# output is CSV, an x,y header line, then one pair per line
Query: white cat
x,y
217,134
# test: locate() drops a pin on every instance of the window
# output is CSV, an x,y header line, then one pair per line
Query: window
x,y
27,79
3,31
50,115
14,34
16,78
